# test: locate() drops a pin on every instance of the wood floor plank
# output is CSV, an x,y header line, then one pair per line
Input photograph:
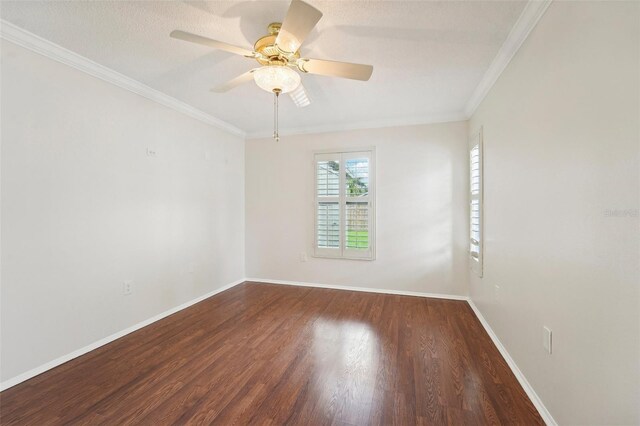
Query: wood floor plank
x,y
273,354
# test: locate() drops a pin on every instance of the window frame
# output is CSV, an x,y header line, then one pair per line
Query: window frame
x,y
342,155
476,263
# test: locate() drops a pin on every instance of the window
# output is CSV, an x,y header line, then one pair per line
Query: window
x,y
475,199
344,205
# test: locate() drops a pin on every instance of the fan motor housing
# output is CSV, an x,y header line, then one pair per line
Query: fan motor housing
x,y
267,47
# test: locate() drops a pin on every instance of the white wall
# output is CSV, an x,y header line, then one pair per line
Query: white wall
x,y
421,209
84,208
561,148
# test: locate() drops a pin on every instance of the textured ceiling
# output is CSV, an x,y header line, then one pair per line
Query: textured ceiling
x,y
428,57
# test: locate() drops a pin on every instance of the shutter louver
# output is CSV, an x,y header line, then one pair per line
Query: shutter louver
x,y
328,178
357,179
357,211
475,204
328,225
357,225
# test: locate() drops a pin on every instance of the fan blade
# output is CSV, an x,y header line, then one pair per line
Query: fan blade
x,y
300,20
336,69
193,38
299,97
241,79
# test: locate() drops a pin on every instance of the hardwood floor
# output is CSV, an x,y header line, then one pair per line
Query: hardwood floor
x,y
275,354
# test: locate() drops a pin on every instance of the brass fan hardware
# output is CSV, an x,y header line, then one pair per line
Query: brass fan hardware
x,y
279,58
274,28
276,97
267,50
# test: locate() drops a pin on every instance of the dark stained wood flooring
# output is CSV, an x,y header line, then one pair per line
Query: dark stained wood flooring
x,y
276,354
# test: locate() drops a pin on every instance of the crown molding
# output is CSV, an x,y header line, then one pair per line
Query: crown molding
x,y
527,20
21,37
533,11
364,125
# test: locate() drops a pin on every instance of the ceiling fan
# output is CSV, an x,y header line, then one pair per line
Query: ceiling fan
x,y
280,60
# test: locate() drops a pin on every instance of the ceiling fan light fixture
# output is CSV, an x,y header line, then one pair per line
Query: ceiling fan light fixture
x,y
276,77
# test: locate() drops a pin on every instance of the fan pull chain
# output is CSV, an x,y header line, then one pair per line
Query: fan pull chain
x,y
276,97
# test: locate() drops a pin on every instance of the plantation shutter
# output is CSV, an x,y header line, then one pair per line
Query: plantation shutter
x,y
344,205
475,207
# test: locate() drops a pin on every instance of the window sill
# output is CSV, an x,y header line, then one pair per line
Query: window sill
x,y
322,256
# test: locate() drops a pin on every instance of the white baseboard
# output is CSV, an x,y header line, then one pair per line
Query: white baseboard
x,y
533,396
535,399
363,289
68,357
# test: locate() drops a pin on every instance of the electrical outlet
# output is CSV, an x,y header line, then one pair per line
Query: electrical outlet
x,y
546,338
151,152
303,257
127,287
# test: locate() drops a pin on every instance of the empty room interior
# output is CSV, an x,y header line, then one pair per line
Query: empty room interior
x,y
320,212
